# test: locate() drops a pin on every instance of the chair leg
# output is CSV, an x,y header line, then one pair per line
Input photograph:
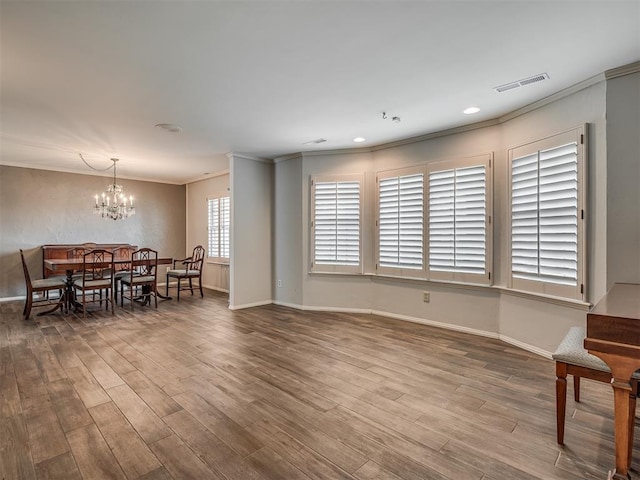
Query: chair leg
x,y
178,289
576,388
561,400
190,286
27,304
200,285
166,291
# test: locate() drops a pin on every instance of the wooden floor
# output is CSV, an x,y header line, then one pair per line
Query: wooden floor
x,y
193,390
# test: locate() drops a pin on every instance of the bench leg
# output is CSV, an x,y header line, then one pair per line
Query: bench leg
x,y
576,388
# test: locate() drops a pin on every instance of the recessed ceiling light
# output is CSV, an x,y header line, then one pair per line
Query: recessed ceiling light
x,y
358,139
170,127
470,110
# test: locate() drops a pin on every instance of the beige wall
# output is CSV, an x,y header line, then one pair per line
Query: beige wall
x,y
623,178
40,206
214,275
250,272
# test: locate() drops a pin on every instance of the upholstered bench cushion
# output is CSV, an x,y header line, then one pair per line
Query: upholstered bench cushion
x,y
571,350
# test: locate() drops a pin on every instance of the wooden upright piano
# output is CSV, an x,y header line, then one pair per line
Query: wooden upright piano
x,y
613,334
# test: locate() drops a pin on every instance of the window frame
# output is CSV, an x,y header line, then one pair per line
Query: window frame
x,y
218,259
485,278
314,265
579,291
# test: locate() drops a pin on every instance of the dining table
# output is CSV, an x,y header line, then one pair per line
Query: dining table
x,y
68,266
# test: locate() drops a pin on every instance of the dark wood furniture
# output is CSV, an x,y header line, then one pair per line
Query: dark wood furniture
x,y
55,266
61,251
141,278
572,359
192,269
43,286
613,334
97,266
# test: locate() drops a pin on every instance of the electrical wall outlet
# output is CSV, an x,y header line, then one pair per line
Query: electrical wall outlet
x,y
426,296
279,283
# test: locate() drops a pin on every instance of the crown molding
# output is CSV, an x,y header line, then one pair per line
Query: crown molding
x,y
284,158
438,134
89,173
589,82
202,177
244,156
623,70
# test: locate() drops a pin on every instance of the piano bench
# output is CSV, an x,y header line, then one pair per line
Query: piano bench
x,y
572,359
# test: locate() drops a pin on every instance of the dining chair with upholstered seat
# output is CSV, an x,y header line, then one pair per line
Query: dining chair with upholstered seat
x,y
141,279
97,266
192,268
43,286
123,252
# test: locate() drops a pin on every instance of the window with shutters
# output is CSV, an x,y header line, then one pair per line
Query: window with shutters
x,y
400,222
547,215
336,220
459,220
219,218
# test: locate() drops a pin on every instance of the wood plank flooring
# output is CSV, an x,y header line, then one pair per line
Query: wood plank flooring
x,y
194,390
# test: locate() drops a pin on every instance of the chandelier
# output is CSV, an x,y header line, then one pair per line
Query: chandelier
x,y
113,203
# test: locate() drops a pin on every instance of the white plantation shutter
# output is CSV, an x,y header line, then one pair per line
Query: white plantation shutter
x,y
336,220
546,216
219,217
225,227
400,221
457,216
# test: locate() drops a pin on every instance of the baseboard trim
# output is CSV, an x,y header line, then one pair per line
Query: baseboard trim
x,y
526,346
432,323
12,299
217,289
249,305
423,321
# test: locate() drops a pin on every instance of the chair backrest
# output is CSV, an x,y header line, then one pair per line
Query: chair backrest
x,y
27,278
197,258
97,264
123,252
145,262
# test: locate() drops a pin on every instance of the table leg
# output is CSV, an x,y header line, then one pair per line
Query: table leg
x,y
70,298
624,391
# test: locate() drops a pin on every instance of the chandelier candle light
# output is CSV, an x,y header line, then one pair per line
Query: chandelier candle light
x,y
114,203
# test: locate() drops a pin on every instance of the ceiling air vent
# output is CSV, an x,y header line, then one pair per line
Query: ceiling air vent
x,y
521,83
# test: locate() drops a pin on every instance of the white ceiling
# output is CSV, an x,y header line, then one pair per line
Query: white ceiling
x,y
264,77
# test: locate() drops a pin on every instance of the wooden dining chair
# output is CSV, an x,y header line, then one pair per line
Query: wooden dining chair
x,y
97,266
572,359
43,286
192,268
141,279
121,270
